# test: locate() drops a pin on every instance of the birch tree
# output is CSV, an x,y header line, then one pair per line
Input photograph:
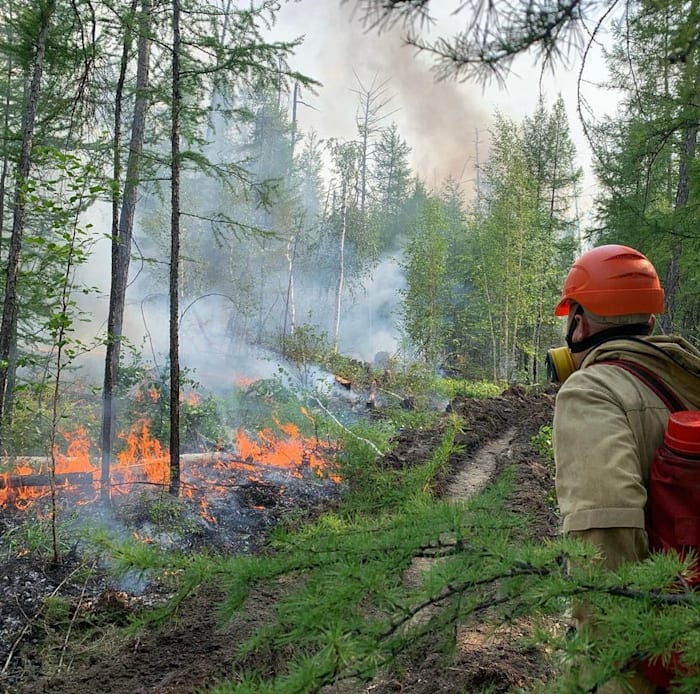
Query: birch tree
x,y
503,267
425,265
346,160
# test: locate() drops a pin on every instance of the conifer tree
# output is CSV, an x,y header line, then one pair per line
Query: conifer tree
x,y
392,177
646,154
44,18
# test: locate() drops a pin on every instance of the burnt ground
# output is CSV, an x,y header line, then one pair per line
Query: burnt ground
x,y
194,650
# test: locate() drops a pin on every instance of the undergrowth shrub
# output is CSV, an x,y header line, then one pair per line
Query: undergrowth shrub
x,y
453,388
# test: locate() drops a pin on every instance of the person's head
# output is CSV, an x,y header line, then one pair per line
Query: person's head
x,y
610,291
585,330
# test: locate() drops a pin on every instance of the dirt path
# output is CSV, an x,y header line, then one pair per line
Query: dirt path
x,y
481,468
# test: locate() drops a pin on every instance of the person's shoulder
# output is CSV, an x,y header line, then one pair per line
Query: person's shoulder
x,y
590,381
601,382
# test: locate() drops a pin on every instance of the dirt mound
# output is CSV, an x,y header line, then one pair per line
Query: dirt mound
x,y
195,650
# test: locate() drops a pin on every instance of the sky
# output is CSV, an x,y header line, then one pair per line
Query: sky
x,y
446,123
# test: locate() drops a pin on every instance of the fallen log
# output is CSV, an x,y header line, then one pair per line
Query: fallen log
x,y
14,481
344,382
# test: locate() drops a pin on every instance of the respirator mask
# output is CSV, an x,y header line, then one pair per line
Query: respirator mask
x,y
560,360
560,364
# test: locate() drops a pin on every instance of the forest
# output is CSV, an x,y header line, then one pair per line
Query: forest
x,y
186,272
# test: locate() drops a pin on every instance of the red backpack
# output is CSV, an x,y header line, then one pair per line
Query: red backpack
x,y
672,516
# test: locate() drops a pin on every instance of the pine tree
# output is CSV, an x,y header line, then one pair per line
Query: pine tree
x,y
647,154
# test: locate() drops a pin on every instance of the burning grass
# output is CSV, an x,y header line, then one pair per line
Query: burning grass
x,y
271,454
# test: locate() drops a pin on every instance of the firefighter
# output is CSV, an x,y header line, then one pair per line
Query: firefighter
x,y
607,422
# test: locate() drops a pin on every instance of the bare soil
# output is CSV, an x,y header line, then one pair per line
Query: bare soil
x,y
194,650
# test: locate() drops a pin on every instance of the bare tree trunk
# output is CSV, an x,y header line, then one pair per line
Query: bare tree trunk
x,y
9,314
123,224
291,252
175,261
293,135
372,102
290,306
341,264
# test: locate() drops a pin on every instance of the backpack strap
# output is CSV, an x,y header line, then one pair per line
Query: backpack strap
x,y
669,398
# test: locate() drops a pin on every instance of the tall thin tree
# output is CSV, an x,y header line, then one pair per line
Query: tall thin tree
x,y
8,325
123,220
176,107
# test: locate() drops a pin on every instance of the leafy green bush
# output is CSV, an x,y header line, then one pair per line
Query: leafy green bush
x,y
452,388
542,441
29,431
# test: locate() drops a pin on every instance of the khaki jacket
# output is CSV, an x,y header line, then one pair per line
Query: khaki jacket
x,y
607,425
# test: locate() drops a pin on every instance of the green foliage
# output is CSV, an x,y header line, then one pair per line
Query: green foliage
x,y
29,432
306,344
454,387
368,584
146,398
33,537
425,267
647,166
513,258
542,442
56,610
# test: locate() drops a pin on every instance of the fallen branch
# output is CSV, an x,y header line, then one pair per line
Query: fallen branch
x,y
344,428
44,480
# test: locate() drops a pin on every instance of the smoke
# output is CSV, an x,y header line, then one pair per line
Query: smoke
x,y
371,323
438,119
441,121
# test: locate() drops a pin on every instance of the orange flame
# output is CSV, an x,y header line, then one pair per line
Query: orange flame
x,y
190,399
144,460
142,452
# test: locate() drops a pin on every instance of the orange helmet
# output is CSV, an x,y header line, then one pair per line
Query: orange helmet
x,y
612,281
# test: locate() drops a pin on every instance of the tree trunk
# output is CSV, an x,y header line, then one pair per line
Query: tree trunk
x,y
122,226
341,265
175,261
290,316
8,332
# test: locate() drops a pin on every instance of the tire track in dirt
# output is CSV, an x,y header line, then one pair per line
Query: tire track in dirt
x,y
473,476
480,468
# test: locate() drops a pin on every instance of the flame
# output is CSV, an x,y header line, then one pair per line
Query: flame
x,y
75,461
190,399
143,394
142,453
144,461
244,382
77,457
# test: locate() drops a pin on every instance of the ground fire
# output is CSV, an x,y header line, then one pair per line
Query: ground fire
x,y
273,453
